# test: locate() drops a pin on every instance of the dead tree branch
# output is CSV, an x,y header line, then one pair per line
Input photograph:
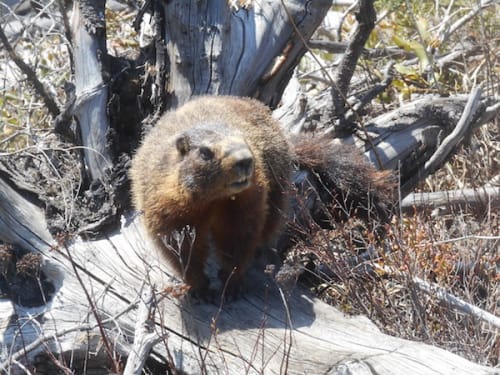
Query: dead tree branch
x,y
31,75
144,337
366,18
457,303
485,196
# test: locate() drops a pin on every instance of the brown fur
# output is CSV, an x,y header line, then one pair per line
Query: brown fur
x,y
335,182
221,166
347,178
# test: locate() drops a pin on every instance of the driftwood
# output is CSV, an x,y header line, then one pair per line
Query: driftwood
x,y
488,196
457,303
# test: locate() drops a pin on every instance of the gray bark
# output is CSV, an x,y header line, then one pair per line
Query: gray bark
x,y
249,52
90,109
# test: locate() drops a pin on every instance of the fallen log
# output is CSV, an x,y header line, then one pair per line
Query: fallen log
x,y
268,331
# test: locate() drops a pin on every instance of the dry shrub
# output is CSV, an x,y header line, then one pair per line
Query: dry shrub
x,y
457,249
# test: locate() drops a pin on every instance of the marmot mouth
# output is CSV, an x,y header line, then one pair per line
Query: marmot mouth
x,y
240,184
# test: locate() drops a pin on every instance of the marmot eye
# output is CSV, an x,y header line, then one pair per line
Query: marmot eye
x,y
206,154
182,144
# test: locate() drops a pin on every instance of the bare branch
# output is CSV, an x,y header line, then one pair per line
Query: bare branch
x,y
366,18
371,53
452,140
31,74
144,337
445,32
482,196
455,302
456,135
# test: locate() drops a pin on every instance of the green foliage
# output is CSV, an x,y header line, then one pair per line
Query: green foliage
x,y
426,32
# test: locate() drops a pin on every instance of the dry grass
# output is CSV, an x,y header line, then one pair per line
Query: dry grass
x,y
456,248
443,250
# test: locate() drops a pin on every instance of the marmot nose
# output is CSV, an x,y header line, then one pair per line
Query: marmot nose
x,y
244,166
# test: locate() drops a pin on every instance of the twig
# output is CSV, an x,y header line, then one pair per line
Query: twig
x,y
446,17
464,238
450,300
306,43
21,366
31,74
489,114
45,338
366,18
362,100
140,14
144,337
456,135
288,348
485,195
343,17
445,34
93,307
370,53
448,143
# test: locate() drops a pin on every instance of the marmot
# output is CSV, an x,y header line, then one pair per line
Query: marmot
x,y
221,167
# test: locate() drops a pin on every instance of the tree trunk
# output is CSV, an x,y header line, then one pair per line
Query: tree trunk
x,y
212,49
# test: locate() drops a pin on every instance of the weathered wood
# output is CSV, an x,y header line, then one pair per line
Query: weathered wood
x,y
457,303
402,140
266,332
21,222
250,52
488,196
144,336
89,50
263,332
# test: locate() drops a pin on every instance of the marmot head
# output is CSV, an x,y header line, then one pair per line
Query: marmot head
x,y
214,161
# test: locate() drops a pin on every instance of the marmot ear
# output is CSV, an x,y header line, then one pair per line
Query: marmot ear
x,y
182,144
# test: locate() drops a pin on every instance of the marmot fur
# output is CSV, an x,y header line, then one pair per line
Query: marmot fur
x,y
221,167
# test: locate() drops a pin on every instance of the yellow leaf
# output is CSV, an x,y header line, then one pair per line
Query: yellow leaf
x,y
415,47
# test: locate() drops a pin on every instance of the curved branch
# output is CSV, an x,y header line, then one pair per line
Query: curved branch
x,y
31,74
